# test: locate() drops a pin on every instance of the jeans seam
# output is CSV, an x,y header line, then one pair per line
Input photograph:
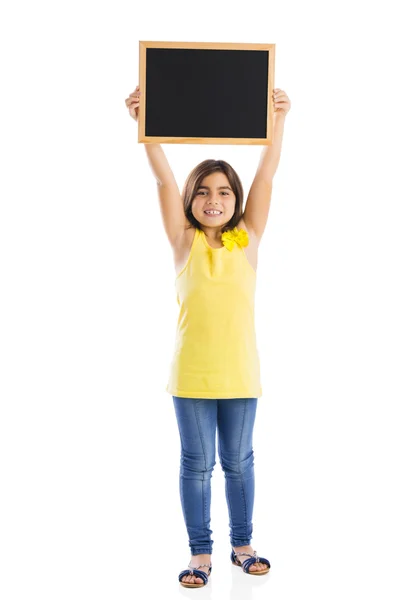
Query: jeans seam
x,y
241,475
205,465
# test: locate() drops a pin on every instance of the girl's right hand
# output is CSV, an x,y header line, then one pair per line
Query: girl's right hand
x,y
133,103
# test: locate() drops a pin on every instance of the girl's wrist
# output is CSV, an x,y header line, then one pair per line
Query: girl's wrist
x,y
280,115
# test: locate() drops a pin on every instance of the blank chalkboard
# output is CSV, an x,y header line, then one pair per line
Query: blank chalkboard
x,y
206,93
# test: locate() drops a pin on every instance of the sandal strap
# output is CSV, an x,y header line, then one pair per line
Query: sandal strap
x,y
195,572
254,558
250,561
244,553
209,566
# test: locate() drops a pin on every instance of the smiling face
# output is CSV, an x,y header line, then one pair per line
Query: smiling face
x,y
214,194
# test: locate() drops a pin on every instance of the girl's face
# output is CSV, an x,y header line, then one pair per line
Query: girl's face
x,y
215,194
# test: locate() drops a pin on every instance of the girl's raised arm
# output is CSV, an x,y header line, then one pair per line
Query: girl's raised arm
x,y
259,198
170,199
171,204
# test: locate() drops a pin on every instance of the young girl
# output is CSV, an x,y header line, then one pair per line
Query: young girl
x,y
215,375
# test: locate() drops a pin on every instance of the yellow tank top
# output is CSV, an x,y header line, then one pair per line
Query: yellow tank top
x,y
216,352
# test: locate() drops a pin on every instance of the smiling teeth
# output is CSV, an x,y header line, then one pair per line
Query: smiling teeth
x,y
213,212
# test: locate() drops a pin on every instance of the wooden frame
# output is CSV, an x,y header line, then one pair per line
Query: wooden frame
x,y
183,89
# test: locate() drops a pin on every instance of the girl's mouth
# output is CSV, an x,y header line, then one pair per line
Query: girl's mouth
x,y
212,213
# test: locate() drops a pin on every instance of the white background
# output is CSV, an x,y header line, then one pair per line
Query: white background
x,y
89,445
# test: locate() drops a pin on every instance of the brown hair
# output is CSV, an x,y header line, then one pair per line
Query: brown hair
x,y
193,183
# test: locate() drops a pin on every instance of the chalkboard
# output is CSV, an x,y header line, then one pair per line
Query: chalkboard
x,y
206,93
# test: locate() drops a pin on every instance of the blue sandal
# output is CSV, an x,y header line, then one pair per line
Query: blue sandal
x,y
196,573
246,564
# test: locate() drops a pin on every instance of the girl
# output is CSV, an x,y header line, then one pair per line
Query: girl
x,y
215,376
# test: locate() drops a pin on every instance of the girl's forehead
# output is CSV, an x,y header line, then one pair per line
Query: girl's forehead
x,y
216,177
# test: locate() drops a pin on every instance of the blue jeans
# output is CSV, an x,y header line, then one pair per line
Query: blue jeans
x,y
198,419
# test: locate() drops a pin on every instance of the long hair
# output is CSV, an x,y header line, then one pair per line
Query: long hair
x,y
193,183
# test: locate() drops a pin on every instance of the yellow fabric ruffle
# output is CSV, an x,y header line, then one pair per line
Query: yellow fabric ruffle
x,y
238,236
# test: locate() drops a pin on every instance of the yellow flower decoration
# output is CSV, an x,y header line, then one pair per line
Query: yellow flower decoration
x,y
238,236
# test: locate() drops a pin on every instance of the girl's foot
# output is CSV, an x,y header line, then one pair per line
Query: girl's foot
x,y
197,559
249,550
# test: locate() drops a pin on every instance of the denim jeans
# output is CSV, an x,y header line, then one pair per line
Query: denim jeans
x,y
198,420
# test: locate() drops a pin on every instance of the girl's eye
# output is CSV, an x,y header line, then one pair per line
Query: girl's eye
x,y
201,192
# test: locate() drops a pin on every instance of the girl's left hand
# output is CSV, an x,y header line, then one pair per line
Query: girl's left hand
x,y
281,102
